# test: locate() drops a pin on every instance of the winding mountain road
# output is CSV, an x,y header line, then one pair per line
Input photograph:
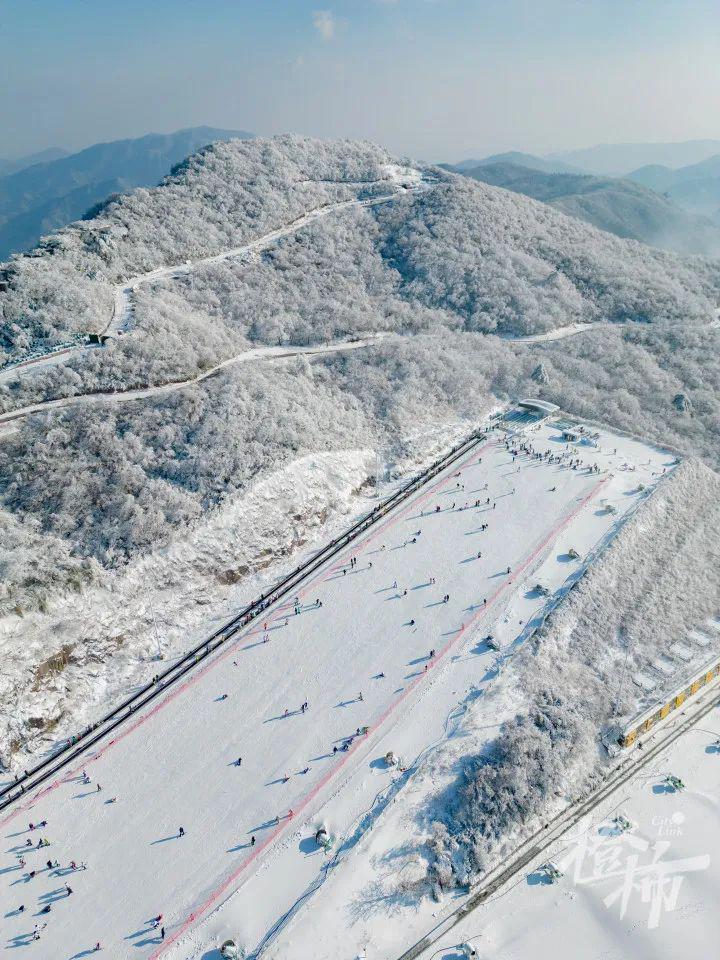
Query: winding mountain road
x,y
260,353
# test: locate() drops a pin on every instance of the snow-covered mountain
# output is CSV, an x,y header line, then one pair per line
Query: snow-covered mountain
x,y
328,241
43,192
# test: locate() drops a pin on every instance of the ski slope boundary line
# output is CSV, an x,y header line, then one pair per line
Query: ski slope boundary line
x,y
212,900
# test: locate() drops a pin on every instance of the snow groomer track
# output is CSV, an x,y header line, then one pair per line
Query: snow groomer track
x,y
363,634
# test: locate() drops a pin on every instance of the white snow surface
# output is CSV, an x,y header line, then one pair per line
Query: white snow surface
x,y
173,764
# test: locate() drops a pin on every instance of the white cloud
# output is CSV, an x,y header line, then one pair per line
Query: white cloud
x,y
324,21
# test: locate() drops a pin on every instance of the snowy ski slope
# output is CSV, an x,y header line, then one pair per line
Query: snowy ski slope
x,y
176,764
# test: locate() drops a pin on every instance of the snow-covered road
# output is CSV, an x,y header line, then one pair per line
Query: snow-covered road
x,y
176,763
121,319
122,316
257,353
571,330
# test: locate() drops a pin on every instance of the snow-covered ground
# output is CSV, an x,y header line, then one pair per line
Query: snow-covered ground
x,y
175,764
649,894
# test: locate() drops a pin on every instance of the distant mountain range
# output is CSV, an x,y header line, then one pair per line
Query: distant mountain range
x,y
627,209
618,159
696,188
519,159
12,166
41,193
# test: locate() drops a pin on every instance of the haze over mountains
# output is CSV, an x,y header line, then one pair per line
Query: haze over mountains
x,y
696,188
8,167
618,159
52,188
627,209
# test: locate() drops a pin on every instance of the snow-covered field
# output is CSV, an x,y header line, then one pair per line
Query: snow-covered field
x,y
372,634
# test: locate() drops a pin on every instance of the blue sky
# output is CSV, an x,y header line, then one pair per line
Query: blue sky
x,y
436,79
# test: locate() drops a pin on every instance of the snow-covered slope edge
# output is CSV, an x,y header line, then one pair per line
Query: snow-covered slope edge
x,y
64,664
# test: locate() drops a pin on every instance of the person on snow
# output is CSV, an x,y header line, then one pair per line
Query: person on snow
x,y
68,890
252,841
181,832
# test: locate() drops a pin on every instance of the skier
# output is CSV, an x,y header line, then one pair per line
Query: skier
x,y
156,920
412,623
162,933
181,832
252,841
238,762
360,696
68,890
